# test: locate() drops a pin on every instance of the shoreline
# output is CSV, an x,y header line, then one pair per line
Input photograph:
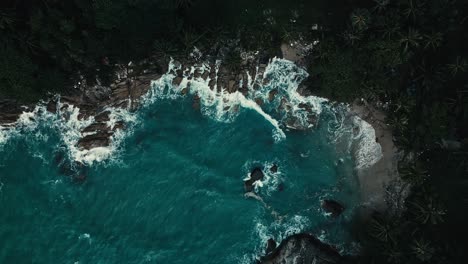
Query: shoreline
x,y
376,181
127,92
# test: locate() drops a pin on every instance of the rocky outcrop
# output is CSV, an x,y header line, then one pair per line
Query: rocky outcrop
x,y
10,110
129,87
255,175
304,249
333,207
271,246
274,168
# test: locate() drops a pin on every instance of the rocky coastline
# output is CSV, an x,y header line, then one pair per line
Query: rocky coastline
x,y
128,89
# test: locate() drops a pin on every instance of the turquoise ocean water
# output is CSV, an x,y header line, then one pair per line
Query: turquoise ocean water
x,y
172,192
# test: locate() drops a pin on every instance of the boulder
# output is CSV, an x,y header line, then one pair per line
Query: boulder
x,y
259,101
102,117
52,106
255,175
272,94
274,168
281,187
333,207
100,139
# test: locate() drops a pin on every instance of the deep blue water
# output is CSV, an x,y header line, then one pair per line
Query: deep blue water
x,y
174,192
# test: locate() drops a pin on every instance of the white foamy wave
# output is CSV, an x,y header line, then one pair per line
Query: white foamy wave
x,y
72,134
4,135
279,90
66,120
278,230
368,151
220,105
271,180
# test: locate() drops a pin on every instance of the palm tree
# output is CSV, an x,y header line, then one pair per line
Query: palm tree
x,y
360,19
184,4
459,66
6,20
391,30
189,38
429,212
413,9
382,230
164,49
381,5
411,39
422,249
433,40
27,42
351,37
393,253
414,174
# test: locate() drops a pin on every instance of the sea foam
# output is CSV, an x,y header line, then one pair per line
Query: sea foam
x,y
368,151
280,75
67,122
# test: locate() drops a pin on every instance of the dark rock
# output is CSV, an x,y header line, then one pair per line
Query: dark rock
x,y
274,168
255,175
272,94
271,245
52,106
333,207
177,81
212,83
102,117
118,125
205,75
259,101
100,139
95,127
97,93
303,249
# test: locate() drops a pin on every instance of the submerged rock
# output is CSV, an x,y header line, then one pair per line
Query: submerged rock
x,y
79,178
333,207
281,187
303,249
255,175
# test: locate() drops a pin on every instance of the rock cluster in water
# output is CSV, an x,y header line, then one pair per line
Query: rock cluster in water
x,y
255,175
302,249
333,207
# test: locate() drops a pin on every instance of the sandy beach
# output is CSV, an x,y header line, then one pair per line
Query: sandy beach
x,y
376,179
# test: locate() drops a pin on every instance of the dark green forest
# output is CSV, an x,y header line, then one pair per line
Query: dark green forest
x,y
410,54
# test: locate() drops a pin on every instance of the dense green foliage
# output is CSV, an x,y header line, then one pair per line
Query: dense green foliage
x,y
409,54
46,43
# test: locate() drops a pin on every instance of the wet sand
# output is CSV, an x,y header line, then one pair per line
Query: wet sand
x,y
375,180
